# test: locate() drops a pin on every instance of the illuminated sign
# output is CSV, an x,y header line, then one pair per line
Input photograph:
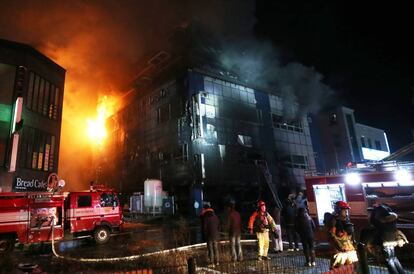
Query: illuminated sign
x,y
22,185
373,154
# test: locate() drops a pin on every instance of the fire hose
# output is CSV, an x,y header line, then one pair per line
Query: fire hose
x,y
131,257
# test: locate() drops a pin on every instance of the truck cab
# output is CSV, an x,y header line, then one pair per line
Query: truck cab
x,y
94,213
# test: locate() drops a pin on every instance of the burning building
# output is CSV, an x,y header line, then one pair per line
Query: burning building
x,y
31,97
203,130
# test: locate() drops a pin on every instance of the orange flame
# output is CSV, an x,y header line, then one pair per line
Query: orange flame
x,y
96,129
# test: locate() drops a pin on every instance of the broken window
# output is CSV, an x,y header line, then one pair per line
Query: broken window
x,y
295,161
244,140
282,123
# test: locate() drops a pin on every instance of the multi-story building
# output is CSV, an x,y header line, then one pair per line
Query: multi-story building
x,y
202,131
31,96
339,140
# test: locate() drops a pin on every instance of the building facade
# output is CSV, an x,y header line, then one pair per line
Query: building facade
x,y
31,99
338,140
205,134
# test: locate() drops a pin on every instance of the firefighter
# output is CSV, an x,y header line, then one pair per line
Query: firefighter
x,y
382,236
261,222
340,232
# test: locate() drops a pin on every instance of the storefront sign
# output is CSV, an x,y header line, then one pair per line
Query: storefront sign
x,y
22,184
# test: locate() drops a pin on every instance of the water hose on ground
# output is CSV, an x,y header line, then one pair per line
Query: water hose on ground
x,y
131,257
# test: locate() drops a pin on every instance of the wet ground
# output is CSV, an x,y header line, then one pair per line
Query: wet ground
x,y
149,237
137,238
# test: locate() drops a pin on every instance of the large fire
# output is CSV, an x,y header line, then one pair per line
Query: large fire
x,y
96,128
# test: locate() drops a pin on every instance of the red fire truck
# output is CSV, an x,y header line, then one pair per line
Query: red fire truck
x,y
363,186
30,217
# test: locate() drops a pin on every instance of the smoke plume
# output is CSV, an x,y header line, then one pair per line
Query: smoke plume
x,y
259,63
99,43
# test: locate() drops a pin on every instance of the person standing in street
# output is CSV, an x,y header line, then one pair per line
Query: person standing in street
x,y
277,236
340,233
261,222
234,231
289,217
306,228
211,233
206,208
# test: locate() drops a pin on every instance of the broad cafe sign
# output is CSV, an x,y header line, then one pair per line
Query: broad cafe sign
x,y
22,184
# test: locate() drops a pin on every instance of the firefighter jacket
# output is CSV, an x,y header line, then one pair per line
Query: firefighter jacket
x,y
261,221
341,240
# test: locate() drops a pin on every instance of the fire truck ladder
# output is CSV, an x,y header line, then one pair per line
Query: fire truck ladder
x,y
262,165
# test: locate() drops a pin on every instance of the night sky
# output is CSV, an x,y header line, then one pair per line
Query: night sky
x,y
364,52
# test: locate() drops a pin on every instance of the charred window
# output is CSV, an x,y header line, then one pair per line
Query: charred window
x,y
245,140
181,153
282,123
85,201
295,161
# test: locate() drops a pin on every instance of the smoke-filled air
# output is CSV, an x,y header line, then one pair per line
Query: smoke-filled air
x,y
100,44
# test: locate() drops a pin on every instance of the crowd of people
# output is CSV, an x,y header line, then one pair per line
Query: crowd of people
x,y
298,225
265,225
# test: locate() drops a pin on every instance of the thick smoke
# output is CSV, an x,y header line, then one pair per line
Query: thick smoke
x,y
258,63
99,43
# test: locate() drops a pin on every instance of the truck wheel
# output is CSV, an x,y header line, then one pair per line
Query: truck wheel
x,y
6,244
101,235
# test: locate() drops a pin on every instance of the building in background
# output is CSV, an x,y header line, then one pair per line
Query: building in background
x,y
31,96
203,131
374,142
338,140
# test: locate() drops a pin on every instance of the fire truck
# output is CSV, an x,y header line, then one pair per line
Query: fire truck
x,y
363,186
30,217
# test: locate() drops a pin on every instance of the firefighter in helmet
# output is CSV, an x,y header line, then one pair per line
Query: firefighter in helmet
x,y
261,223
340,232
